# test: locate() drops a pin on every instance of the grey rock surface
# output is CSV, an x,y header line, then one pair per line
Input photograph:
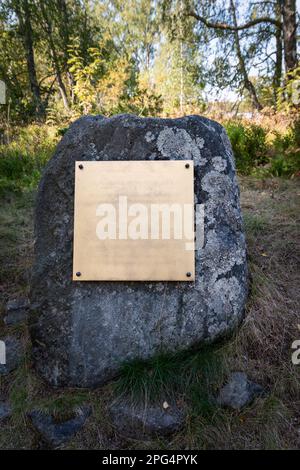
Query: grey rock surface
x,y
143,421
14,354
239,391
5,410
54,433
83,331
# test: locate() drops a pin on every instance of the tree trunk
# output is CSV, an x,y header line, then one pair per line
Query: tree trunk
x,y
289,34
278,61
247,82
65,33
23,13
61,86
62,90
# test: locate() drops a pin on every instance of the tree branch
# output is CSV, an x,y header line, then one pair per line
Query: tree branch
x,y
228,27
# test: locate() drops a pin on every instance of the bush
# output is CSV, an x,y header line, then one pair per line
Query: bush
x,y
22,160
249,145
296,132
264,153
257,152
285,160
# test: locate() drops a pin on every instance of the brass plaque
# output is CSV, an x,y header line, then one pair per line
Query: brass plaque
x,y
134,221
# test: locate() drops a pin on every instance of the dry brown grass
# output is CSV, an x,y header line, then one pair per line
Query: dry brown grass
x,y
261,347
268,119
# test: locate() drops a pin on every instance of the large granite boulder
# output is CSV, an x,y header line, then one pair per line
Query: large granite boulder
x,y
83,331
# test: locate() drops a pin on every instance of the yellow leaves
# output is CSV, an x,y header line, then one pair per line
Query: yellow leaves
x,y
112,86
109,85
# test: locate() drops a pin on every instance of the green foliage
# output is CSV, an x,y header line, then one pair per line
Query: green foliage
x,y
286,150
264,153
296,133
60,59
13,72
256,151
248,144
22,160
288,96
108,84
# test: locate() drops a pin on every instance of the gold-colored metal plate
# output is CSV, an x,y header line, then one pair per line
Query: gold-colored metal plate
x,y
107,247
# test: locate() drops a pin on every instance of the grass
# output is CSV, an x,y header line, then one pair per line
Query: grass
x,y
23,158
254,224
170,376
261,347
16,239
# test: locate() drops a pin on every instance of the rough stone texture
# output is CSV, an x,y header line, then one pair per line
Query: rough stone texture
x,y
14,354
15,318
5,410
140,421
83,331
239,391
16,311
17,304
54,433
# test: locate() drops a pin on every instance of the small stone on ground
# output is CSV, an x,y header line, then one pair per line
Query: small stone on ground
x,y
13,354
54,433
239,391
5,410
140,421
